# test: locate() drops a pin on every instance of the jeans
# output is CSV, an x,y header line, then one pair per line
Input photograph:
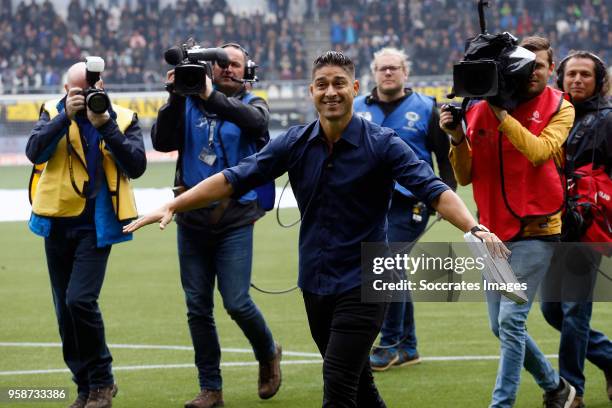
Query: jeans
x,y
76,270
572,318
226,257
344,330
529,260
398,327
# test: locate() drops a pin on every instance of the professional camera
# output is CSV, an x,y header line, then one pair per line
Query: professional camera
x,y
494,67
457,114
192,65
96,99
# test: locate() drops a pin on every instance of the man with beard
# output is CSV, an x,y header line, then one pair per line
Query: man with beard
x,y
510,158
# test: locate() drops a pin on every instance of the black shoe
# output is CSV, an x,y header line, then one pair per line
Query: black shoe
x,y
562,397
608,374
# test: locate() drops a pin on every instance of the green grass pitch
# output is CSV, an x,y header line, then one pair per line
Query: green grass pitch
x,y
143,304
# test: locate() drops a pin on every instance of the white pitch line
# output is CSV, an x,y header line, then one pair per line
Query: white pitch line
x,y
156,367
155,347
470,358
238,364
226,364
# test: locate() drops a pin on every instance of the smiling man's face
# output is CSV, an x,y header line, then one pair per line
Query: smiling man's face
x,y
333,90
579,78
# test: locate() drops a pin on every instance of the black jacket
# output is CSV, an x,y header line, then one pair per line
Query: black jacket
x,y
590,142
168,134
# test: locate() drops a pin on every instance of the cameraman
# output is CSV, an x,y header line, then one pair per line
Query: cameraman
x,y
214,131
511,159
573,272
81,197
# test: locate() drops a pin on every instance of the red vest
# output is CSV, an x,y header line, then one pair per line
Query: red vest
x,y
508,187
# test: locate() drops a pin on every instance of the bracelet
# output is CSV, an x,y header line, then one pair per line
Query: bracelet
x,y
479,228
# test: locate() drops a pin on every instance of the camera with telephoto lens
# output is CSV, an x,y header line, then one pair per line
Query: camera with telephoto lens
x,y
96,99
494,67
192,64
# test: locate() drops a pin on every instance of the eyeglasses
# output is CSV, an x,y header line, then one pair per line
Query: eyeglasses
x,y
391,68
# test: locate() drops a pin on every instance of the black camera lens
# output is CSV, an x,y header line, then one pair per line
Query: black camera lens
x,y
97,101
192,81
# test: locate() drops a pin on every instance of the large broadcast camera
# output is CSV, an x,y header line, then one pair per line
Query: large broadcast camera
x,y
192,65
494,67
96,99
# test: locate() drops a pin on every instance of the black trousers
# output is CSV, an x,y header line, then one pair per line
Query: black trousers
x,y
344,330
77,268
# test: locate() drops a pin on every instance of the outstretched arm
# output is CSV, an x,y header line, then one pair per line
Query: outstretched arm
x,y
453,209
212,189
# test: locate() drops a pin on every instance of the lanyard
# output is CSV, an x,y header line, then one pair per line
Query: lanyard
x,y
211,133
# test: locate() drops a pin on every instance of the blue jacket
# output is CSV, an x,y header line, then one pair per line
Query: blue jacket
x,y
231,114
208,134
410,120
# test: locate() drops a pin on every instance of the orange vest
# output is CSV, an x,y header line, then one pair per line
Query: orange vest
x,y
507,187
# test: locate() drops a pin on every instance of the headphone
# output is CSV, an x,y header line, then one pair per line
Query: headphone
x,y
249,70
600,69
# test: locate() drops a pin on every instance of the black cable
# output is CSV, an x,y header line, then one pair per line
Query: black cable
x,y
292,288
602,273
273,292
280,198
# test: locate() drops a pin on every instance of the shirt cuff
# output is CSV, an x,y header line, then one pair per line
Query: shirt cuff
x,y
436,191
230,176
108,128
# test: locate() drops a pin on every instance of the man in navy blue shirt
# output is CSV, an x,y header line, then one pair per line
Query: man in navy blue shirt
x,y
342,170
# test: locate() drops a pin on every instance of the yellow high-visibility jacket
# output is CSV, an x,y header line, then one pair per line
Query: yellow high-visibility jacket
x,y
57,186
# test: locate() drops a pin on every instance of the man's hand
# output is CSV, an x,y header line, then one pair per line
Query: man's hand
x,y
170,77
163,214
75,102
446,118
209,88
98,119
495,246
500,113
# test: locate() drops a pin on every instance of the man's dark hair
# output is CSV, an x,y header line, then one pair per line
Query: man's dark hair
x,y
535,43
334,58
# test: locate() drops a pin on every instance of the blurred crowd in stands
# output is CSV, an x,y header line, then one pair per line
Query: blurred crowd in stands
x,y
434,31
37,44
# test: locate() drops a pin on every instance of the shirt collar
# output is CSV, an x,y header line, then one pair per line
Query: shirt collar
x,y
351,134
